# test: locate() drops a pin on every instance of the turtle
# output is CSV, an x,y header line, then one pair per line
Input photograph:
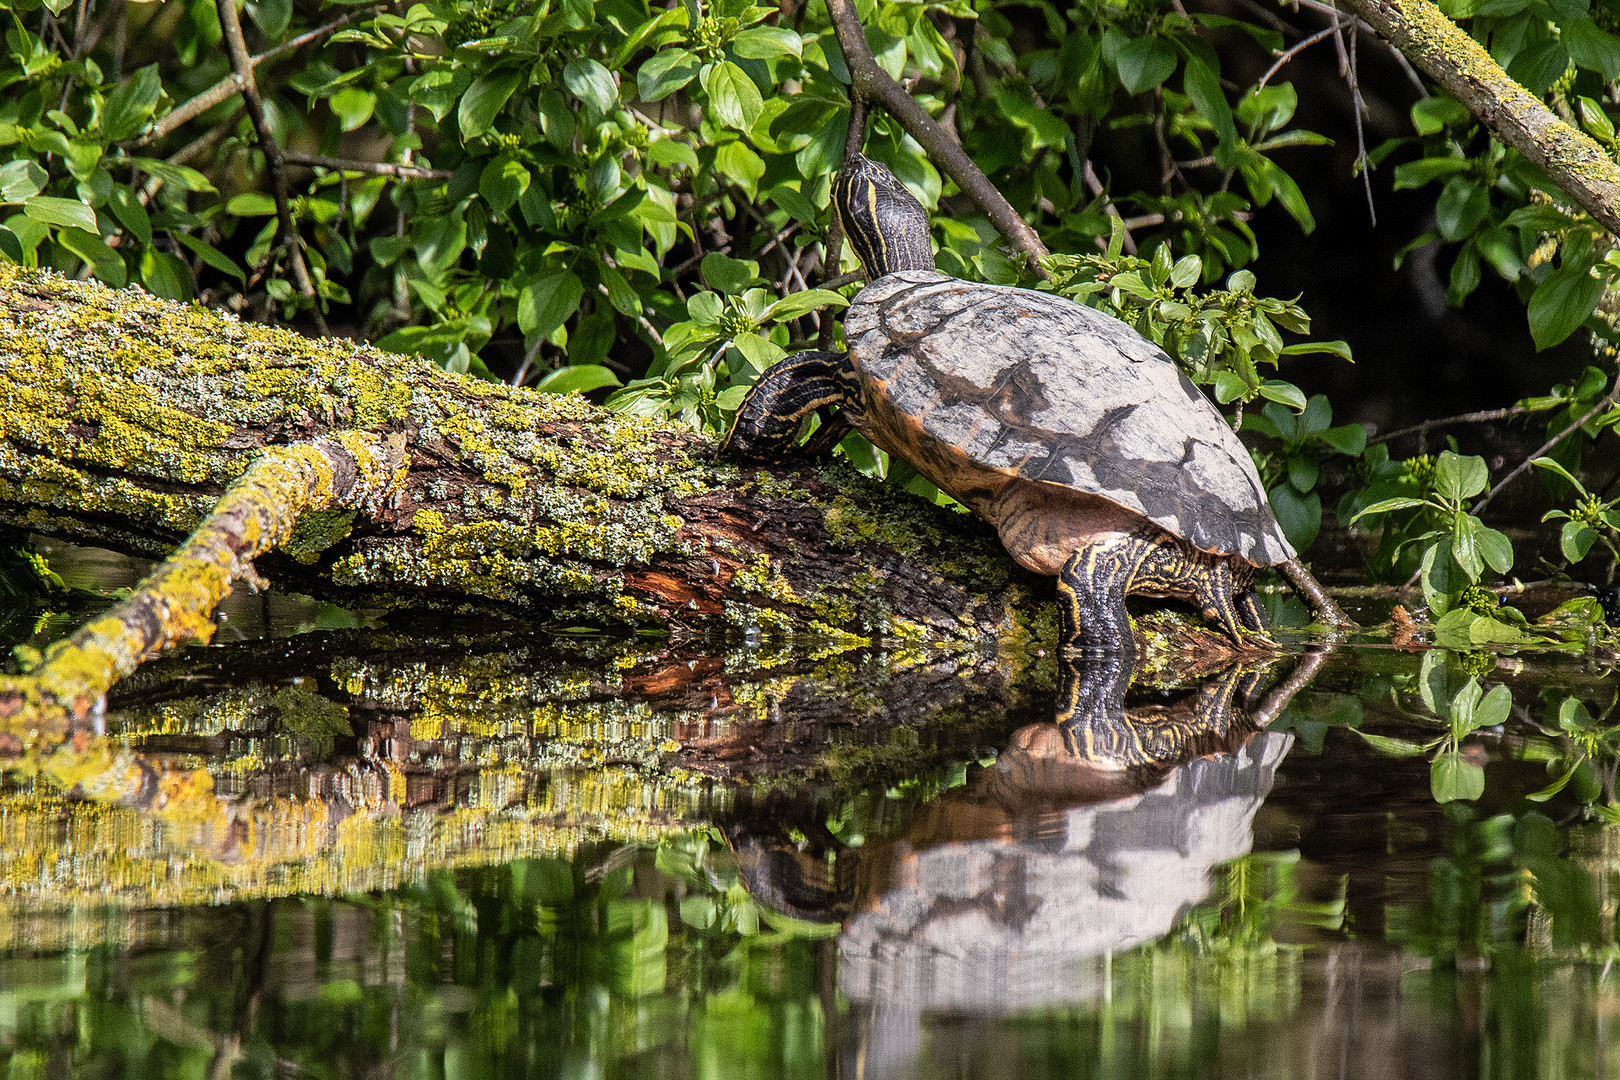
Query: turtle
x,y
1094,456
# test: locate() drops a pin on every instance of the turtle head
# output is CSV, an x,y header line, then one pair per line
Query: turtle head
x,y
885,224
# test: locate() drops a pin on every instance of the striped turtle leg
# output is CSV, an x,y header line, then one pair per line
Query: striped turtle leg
x,y
1250,611
1093,583
1091,599
768,421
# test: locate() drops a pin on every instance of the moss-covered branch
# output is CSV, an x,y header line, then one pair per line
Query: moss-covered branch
x,y
1447,54
176,603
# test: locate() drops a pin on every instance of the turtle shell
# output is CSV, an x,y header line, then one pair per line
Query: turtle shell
x,y
994,381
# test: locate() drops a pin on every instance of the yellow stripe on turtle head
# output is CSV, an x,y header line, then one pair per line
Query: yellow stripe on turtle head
x,y
885,223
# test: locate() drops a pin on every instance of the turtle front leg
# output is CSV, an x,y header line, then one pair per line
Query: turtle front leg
x,y
768,420
1092,620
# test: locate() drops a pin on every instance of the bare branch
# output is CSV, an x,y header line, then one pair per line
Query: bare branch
x,y
229,85
1423,429
175,603
286,232
376,168
1608,400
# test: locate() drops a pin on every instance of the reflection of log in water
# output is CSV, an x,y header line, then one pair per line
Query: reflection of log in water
x,y
357,761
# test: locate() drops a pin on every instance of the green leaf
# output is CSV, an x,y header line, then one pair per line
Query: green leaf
x,y
1461,207
548,301
181,176
483,101
1426,170
1553,788
1338,348
1437,576
127,210
733,96
1457,478
1465,544
164,275
503,182
759,352
592,84
795,304
1552,466
352,106
1576,540
1453,777
1283,393
1391,746
251,204
1494,708
666,73
1496,549
621,294
767,43
672,152
727,275
1145,63
1349,439
1591,47
70,213
211,255
1562,302
21,180
1488,631
1384,506
107,264
1299,515
130,105
1203,86
798,207
1431,115
577,379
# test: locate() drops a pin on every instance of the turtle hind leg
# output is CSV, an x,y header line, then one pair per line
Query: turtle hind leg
x,y
768,420
1225,595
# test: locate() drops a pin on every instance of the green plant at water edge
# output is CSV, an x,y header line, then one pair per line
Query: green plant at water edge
x,y
1456,548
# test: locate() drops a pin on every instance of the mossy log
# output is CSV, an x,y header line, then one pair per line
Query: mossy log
x,y
359,760
126,417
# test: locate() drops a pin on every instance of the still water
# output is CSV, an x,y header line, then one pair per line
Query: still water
x,y
351,851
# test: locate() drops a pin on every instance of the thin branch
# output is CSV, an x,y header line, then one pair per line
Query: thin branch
x,y
871,83
286,232
1357,107
174,604
1293,51
376,168
1095,185
1608,400
1422,430
230,85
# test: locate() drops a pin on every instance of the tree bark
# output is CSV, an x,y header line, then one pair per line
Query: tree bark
x,y
1449,56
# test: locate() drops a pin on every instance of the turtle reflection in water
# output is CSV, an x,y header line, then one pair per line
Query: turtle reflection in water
x,y
1096,459
1105,802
